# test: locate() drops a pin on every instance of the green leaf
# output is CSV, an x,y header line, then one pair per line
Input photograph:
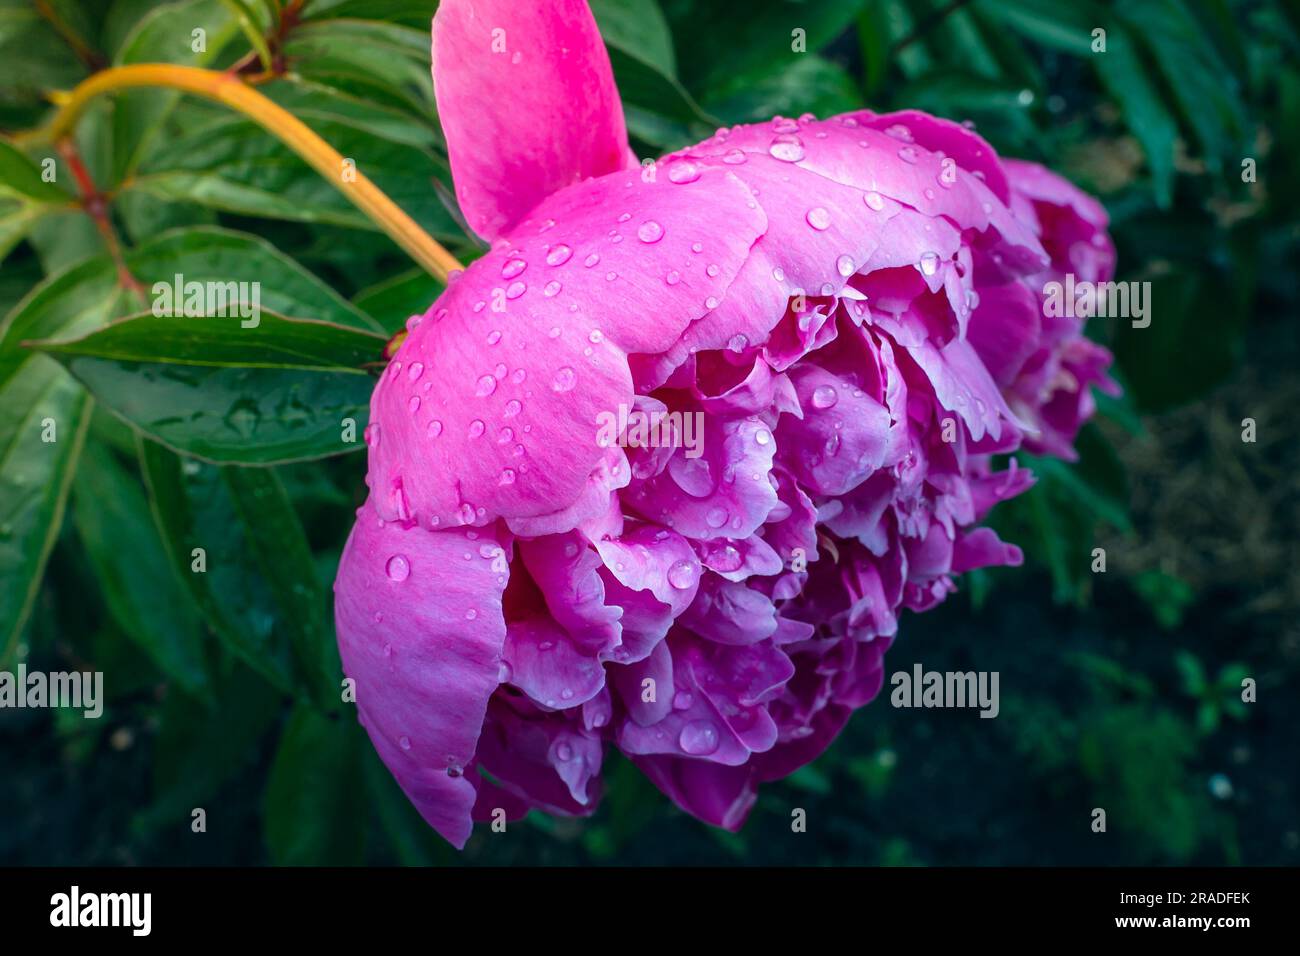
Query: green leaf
x,y
639,27
234,415
274,342
230,164
714,46
21,178
314,796
1200,83
138,582
1057,26
167,34
386,63
246,415
193,510
279,545
35,57
809,84
1127,78
393,301
25,197
35,476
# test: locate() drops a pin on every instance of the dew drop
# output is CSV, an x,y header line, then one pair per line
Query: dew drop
x,y
650,231
824,396
564,380
818,218
788,149
683,171
558,255
476,428
844,266
681,575
699,738
512,268
398,568
515,290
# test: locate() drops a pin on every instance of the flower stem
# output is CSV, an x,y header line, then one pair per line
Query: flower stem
x,y
233,92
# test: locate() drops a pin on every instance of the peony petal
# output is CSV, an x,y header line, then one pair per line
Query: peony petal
x,y
424,648
493,405
527,102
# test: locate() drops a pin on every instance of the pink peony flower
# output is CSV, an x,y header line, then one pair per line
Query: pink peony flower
x,y
837,323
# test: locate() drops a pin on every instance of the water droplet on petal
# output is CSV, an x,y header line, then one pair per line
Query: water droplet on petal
x,y
683,171
824,396
699,738
650,231
681,575
434,429
515,290
673,277
415,371
564,380
512,268
404,742
818,218
844,266
591,260
486,386
551,288
929,263
476,428
716,518
907,154
786,148
413,405
558,255
398,568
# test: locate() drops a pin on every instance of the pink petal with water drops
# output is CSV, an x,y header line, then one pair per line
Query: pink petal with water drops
x,y
424,648
491,405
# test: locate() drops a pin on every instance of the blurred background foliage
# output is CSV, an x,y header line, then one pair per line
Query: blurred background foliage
x,y
1119,690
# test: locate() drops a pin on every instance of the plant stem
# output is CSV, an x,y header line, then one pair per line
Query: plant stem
x,y
96,207
233,92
